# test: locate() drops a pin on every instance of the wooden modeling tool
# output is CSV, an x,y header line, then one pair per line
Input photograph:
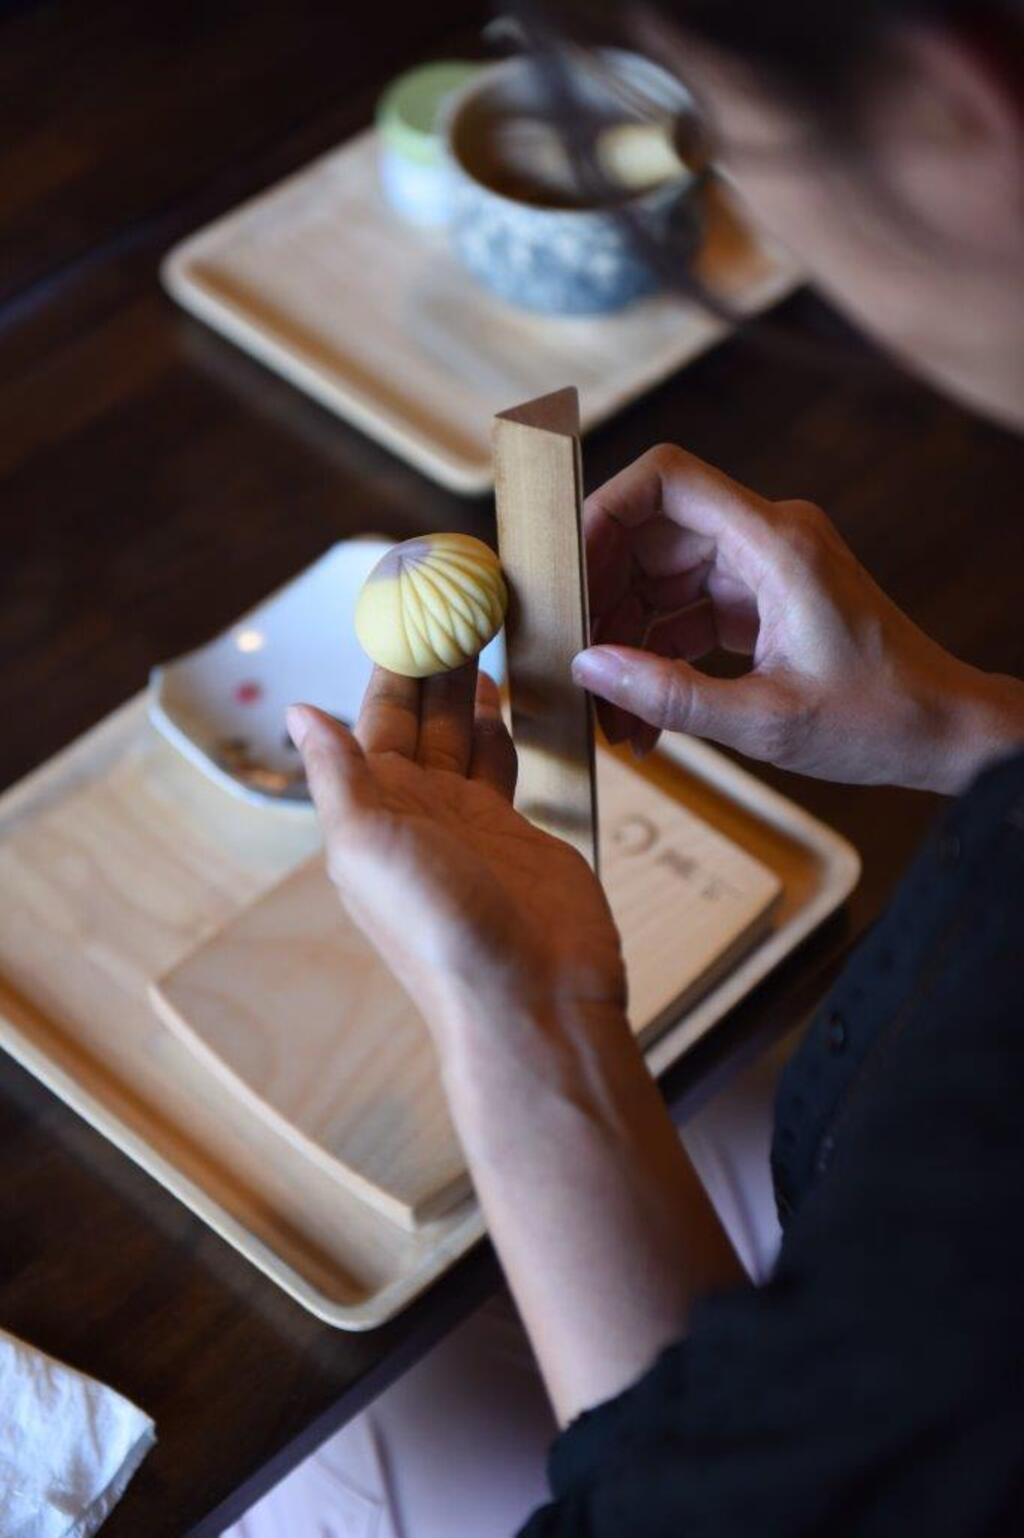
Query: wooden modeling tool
x,y
538,489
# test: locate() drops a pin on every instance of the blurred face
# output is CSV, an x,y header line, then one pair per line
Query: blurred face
x,y
916,230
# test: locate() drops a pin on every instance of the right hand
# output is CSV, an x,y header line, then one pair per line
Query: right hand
x,y
842,684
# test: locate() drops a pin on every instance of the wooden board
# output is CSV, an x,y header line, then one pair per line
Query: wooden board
x,y
117,857
538,499
294,1010
321,281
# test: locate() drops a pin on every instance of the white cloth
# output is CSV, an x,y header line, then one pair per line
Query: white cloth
x,y
68,1446
457,1447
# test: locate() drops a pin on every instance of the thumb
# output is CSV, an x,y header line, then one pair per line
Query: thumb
x,y
339,778
749,713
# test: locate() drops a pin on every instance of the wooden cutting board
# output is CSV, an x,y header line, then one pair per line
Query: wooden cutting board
x,y
291,1007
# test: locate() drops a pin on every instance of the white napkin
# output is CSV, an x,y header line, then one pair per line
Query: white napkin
x,y
68,1446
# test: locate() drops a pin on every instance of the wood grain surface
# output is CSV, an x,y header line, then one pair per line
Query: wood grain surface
x,y
156,483
293,1009
319,279
538,493
118,856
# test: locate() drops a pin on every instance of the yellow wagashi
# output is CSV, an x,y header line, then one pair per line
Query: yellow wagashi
x,y
431,604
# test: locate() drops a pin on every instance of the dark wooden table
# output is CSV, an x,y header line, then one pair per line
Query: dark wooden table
x,y
156,483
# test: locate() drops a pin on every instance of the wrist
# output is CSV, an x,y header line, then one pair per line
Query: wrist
x,y
984,722
497,1047
494,1018
525,990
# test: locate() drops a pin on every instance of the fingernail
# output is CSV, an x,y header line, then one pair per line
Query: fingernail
x,y
597,669
296,718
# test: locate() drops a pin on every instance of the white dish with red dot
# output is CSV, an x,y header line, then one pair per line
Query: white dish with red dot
x,y
223,705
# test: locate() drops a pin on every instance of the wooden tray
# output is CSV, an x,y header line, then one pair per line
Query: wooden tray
x,y
321,281
118,857
291,1005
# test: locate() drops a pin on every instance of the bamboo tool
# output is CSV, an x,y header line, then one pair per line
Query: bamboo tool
x,y
538,490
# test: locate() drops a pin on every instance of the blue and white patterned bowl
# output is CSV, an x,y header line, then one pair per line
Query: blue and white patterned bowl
x,y
560,260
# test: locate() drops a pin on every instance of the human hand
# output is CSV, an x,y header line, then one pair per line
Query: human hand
x,y
842,684
470,906
502,937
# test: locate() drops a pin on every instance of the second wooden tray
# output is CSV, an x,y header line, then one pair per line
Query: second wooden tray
x,y
321,281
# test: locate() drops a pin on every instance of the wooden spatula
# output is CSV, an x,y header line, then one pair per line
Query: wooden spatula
x,y
538,488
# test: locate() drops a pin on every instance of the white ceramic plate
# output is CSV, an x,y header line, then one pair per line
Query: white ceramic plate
x,y
223,705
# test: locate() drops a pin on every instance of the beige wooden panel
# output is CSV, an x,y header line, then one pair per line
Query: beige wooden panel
x,y
292,1008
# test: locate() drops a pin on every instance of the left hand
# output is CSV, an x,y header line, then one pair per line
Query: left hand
x,y
465,900
502,937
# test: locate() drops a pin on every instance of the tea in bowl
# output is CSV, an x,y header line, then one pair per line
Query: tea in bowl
x,y
521,223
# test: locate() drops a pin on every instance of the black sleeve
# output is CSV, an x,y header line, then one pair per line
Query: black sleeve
x,y
874,1385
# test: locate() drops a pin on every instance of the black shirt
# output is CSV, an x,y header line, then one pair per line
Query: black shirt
x,y
875,1385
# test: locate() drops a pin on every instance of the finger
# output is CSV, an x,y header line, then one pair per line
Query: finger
x,y
737,620
669,483
494,756
389,721
446,720
625,625
339,778
617,724
668,528
667,565
738,628
644,739
663,549
752,714
674,591
689,634
608,560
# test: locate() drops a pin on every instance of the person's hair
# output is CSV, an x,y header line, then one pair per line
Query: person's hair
x,y
821,53
824,56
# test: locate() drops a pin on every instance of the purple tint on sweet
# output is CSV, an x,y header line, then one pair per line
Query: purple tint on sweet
x,y
393,561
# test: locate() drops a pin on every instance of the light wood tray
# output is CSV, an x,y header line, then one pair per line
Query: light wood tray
x,y
322,282
290,1003
118,857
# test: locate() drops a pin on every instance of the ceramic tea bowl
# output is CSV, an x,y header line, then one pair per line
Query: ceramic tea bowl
x,y
518,223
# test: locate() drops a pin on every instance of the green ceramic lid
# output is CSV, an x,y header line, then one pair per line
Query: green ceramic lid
x,y
408,112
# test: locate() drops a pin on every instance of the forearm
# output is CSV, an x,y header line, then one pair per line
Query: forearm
x,y
603,1229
